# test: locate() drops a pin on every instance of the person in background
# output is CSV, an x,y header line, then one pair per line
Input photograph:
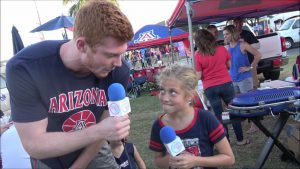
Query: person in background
x,y
168,54
12,152
148,57
213,30
248,37
251,39
4,126
176,53
199,130
240,71
212,63
59,88
127,155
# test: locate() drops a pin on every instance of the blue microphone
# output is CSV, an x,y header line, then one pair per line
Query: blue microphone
x,y
118,104
172,142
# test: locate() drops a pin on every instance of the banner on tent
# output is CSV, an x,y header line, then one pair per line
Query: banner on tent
x,y
146,36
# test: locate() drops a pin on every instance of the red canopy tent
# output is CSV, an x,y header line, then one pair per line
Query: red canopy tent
x,y
157,42
205,11
155,35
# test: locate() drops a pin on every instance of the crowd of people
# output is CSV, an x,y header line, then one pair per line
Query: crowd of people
x,y
59,97
154,56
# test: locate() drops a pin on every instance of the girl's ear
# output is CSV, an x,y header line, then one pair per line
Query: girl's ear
x,y
190,96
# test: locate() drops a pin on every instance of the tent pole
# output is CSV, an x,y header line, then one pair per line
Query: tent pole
x,y
171,43
189,16
66,35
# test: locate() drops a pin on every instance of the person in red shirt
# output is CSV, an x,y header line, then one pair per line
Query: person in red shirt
x,y
212,63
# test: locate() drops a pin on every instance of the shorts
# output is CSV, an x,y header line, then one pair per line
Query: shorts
x,y
103,160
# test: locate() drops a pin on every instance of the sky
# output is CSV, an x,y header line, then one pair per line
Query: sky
x,y
23,15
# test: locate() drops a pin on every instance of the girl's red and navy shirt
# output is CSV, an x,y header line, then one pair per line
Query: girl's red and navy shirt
x,y
198,137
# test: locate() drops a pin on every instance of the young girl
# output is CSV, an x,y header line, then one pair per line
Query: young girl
x,y
199,130
122,152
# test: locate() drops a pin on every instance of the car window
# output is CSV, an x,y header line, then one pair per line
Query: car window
x,y
287,24
2,84
296,24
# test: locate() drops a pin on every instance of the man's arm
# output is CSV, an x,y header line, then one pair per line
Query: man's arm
x,y
89,153
256,45
252,40
41,144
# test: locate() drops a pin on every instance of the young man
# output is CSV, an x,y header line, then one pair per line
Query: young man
x,y
59,91
213,30
246,35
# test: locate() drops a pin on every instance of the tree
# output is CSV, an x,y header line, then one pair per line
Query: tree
x,y
78,3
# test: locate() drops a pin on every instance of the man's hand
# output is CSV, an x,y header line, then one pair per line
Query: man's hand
x,y
115,128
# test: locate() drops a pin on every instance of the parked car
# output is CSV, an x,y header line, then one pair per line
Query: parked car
x,y
290,30
4,97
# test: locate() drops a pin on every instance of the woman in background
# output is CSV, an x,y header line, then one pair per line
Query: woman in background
x,y
240,71
212,63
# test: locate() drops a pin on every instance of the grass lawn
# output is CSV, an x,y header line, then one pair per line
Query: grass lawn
x,y
146,108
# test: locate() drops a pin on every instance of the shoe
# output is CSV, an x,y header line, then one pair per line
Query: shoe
x,y
243,143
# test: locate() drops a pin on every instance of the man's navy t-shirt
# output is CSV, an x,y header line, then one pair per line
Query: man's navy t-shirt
x,y
42,87
251,39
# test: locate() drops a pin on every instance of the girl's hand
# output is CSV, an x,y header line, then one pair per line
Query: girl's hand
x,y
183,161
244,69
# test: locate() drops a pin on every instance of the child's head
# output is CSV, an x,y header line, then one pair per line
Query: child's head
x,y
177,87
115,143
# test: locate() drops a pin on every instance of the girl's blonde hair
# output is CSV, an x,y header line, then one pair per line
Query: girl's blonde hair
x,y
186,75
233,31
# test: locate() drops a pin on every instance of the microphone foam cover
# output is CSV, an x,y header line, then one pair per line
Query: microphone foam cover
x,y
116,92
167,134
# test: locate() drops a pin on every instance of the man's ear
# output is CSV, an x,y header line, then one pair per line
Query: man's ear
x,y
81,44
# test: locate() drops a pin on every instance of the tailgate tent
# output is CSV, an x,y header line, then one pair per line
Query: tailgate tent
x,y
205,11
153,35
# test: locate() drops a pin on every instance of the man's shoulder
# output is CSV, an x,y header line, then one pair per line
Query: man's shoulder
x,y
245,32
35,56
37,51
248,37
